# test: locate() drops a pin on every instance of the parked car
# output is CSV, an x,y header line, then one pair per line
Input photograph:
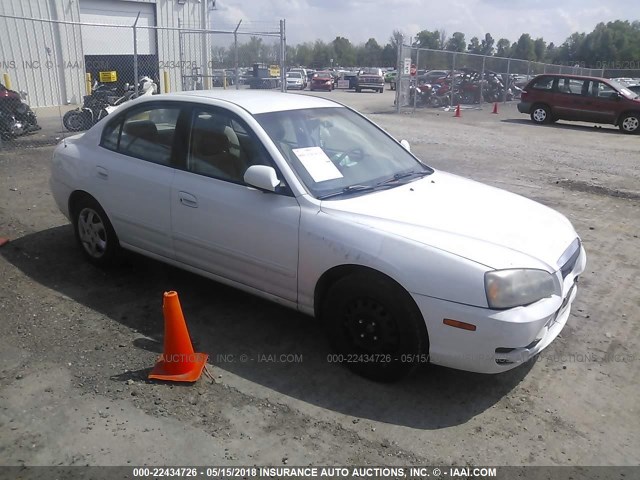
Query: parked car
x,y
370,79
307,203
303,72
352,77
322,80
295,81
390,76
635,88
548,98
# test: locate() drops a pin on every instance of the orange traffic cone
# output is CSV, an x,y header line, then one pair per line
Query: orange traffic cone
x,y
495,108
458,114
178,363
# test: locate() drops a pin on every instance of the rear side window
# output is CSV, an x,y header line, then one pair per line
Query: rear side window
x,y
542,83
147,134
572,86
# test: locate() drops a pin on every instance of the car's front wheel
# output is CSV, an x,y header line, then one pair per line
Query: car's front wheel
x,y
375,327
630,123
94,232
541,114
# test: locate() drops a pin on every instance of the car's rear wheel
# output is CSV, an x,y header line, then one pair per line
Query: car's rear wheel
x,y
94,232
375,327
541,114
630,123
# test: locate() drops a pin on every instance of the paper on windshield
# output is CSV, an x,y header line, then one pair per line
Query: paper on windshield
x,y
317,163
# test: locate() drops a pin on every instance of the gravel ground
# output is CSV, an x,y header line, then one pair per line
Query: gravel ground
x,y
76,342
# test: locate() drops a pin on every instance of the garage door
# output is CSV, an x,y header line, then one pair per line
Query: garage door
x,y
117,41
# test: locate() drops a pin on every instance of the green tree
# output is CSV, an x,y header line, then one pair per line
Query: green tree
x,y
486,46
474,46
430,39
540,49
322,54
503,48
371,54
524,48
456,43
345,54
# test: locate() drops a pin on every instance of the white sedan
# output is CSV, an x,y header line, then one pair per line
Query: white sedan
x,y
307,203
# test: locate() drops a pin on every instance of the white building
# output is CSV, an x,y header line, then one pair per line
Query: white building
x,y
47,53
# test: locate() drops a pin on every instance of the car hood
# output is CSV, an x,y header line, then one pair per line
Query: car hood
x,y
484,224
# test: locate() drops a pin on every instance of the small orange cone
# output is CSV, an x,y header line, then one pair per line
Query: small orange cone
x,y
495,108
178,363
458,114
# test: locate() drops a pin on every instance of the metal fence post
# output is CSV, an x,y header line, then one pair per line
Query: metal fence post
x,y
504,95
453,83
400,40
482,80
415,86
283,53
235,55
135,56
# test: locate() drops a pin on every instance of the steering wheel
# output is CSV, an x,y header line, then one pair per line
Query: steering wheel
x,y
348,153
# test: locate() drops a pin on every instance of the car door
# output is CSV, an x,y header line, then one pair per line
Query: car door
x,y
220,224
569,99
134,172
603,102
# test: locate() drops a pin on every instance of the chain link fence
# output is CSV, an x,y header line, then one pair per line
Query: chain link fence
x,y
445,79
58,77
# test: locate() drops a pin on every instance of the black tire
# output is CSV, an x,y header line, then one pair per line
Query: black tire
x,y
94,233
541,114
382,90
375,327
630,123
358,89
76,121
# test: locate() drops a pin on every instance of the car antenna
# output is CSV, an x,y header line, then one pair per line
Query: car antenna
x,y
64,138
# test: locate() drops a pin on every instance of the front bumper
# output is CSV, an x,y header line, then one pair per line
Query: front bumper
x,y
503,339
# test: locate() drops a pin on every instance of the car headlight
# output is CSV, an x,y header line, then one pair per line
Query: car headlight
x,y
518,287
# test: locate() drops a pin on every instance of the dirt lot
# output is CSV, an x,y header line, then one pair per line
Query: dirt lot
x,y
76,343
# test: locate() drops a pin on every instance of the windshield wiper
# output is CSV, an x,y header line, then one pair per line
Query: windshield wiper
x,y
389,183
400,176
347,190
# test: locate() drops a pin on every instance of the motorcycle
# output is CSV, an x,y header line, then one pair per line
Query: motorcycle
x,y
420,95
102,101
16,117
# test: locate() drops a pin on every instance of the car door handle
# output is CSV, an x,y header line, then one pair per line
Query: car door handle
x,y
188,200
102,173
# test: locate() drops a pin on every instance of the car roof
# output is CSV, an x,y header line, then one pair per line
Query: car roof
x,y
572,75
254,101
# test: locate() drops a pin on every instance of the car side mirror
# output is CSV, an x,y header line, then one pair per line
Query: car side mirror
x,y
262,177
405,144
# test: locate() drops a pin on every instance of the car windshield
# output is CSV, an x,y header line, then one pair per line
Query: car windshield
x,y
294,75
337,152
371,71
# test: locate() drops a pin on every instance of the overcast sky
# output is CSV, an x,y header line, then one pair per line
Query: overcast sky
x,y
359,20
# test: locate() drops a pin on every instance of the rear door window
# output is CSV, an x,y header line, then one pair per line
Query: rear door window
x,y
572,86
542,83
